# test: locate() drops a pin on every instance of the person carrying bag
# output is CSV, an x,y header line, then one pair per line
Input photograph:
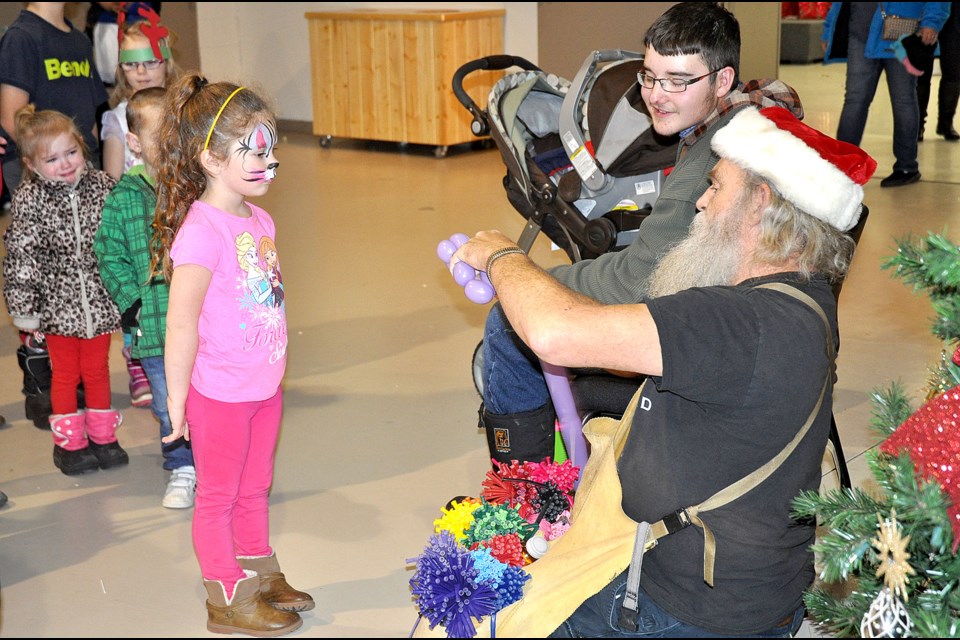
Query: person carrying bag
x,y
895,27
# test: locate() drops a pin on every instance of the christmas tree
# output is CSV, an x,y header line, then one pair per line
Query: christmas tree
x,y
888,563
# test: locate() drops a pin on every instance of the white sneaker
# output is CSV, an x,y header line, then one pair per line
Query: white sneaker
x,y
181,488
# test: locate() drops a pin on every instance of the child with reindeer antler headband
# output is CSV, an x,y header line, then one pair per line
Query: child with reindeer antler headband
x,y
145,60
104,21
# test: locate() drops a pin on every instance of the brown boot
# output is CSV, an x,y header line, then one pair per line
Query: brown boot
x,y
273,585
246,612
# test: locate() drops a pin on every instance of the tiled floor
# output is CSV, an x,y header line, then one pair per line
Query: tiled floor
x,y
379,430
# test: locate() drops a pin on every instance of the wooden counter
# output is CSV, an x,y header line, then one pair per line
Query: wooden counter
x,y
383,75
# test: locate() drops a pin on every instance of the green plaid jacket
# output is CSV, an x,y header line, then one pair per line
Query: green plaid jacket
x,y
122,245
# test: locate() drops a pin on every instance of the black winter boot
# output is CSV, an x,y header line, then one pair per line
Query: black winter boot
x,y
35,364
109,455
526,437
948,98
102,425
72,463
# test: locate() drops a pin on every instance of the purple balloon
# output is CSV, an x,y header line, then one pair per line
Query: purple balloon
x,y
445,250
476,287
478,291
463,273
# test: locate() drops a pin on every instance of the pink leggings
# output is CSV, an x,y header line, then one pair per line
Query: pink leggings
x,y
233,447
79,359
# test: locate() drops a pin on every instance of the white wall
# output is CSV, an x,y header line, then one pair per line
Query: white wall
x,y
267,43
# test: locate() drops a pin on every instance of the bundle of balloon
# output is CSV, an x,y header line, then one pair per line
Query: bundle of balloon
x,y
475,283
478,289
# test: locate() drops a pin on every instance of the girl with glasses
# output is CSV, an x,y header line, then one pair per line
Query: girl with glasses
x,y
145,61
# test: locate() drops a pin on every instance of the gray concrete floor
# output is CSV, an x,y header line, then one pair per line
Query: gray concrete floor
x,y
379,430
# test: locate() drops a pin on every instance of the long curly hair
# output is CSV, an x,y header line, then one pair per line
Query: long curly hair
x,y
191,112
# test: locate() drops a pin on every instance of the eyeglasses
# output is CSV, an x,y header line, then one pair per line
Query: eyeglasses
x,y
149,65
670,85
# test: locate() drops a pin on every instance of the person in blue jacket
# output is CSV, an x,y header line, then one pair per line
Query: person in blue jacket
x,y
852,33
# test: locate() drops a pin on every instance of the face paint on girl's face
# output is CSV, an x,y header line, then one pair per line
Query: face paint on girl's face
x,y
256,152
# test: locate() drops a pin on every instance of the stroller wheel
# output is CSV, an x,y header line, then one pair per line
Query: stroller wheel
x,y
477,368
601,235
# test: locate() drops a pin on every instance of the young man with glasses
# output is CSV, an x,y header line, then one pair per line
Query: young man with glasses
x,y
689,84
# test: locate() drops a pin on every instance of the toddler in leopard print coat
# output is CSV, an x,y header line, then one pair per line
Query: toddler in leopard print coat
x,y
52,285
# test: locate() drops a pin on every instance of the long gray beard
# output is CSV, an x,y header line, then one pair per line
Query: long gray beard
x,y
709,256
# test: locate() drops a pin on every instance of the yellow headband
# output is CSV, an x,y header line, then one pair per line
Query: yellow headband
x,y
217,117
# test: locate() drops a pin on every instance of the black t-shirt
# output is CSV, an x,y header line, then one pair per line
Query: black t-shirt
x,y
743,368
56,69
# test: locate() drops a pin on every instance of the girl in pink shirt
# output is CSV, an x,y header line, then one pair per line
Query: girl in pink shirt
x,y
223,327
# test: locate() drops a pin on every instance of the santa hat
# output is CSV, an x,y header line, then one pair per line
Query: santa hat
x,y
818,174
914,55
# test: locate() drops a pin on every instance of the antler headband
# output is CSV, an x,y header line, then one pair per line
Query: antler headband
x,y
153,31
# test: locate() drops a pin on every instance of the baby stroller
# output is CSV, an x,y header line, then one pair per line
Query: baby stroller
x,y
584,165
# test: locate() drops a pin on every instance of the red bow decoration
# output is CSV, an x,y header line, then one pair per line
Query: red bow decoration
x,y
121,21
932,437
154,31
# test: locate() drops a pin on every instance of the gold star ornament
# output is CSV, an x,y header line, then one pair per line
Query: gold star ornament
x,y
892,549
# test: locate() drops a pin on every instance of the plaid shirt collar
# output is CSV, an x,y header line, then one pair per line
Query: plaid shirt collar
x,y
760,93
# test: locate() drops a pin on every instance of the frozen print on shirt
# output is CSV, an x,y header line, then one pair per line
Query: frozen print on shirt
x,y
268,250
261,295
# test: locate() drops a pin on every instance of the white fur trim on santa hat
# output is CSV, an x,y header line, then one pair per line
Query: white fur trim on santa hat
x,y
800,174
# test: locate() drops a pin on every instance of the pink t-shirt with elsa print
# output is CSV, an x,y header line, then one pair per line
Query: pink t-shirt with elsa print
x,y
242,352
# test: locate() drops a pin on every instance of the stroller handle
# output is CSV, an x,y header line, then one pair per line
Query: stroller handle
x,y
480,126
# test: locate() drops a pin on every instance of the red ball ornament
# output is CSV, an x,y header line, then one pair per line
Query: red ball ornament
x,y
932,437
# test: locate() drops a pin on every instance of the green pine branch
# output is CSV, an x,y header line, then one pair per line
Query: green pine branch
x,y
932,263
838,618
890,407
849,518
945,375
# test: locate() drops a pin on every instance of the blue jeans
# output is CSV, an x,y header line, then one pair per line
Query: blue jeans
x,y
512,379
175,454
598,617
863,75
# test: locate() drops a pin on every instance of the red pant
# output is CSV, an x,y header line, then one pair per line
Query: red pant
x,y
76,359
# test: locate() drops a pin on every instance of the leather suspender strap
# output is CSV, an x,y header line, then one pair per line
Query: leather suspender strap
x,y
683,518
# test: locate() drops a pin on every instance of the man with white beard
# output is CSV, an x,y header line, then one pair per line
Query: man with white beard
x,y
736,338
708,256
